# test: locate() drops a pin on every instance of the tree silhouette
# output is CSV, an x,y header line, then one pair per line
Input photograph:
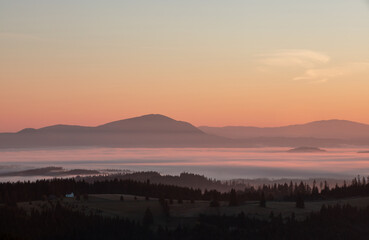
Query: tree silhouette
x,y
214,203
148,218
300,201
262,200
233,201
165,206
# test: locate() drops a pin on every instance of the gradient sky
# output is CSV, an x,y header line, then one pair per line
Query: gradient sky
x,y
209,62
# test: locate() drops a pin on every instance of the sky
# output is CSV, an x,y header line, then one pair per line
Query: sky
x,y
209,62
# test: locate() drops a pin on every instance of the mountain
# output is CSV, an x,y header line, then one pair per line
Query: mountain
x,y
328,129
153,123
151,130
155,130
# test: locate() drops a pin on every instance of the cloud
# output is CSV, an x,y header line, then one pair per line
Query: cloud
x,y
316,67
325,74
293,58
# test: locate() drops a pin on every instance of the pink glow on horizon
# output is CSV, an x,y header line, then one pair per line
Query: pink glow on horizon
x,y
334,161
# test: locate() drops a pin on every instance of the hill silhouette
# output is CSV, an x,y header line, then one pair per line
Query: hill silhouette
x,y
328,129
151,123
153,130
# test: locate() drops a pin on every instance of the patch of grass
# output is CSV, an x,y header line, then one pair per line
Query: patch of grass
x,y
186,213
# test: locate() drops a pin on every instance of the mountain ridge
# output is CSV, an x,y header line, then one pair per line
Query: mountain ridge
x,y
157,122
333,128
156,130
291,125
152,130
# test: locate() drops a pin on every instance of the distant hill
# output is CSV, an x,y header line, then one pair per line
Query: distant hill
x,y
328,129
152,123
306,150
153,130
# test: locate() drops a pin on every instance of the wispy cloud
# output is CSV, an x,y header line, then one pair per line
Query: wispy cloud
x,y
19,36
324,74
293,57
316,66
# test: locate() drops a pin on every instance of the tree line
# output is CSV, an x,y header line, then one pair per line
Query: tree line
x,y
11,193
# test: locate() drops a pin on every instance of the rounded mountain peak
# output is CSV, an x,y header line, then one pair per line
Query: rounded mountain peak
x,y
150,123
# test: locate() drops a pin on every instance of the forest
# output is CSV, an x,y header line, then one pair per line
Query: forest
x,y
55,188
58,220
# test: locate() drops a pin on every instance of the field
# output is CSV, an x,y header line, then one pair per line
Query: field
x,y
186,213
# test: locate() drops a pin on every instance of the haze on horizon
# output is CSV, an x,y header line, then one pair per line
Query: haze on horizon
x,y
215,63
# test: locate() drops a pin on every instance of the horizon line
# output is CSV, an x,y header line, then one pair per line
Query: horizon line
x,y
197,126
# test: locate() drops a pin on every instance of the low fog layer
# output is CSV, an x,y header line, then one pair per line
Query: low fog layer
x,y
219,163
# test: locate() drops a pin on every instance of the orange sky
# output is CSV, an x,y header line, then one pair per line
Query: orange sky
x,y
209,63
